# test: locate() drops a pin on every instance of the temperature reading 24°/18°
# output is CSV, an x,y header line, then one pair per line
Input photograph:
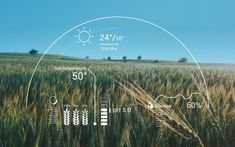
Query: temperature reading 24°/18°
x,y
111,37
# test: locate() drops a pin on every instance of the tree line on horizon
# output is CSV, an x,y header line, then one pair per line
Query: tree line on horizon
x,y
124,58
139,58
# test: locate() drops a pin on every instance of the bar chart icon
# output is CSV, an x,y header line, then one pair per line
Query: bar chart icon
x,y
104,113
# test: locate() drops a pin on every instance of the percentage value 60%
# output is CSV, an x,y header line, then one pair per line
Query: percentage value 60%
x,y
191,105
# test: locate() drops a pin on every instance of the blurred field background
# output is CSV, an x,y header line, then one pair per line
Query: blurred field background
x,y
21,126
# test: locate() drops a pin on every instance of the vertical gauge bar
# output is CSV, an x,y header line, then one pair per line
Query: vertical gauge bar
x,y
158,123
103,112
53,114
94,84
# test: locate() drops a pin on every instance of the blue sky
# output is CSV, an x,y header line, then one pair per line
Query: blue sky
x,y
207,27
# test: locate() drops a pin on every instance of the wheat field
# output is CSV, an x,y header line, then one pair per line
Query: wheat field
x,y
124,83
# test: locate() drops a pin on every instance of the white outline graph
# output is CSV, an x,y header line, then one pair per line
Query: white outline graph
x,y
178,95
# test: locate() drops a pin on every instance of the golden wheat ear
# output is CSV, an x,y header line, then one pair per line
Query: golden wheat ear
x,y
169,118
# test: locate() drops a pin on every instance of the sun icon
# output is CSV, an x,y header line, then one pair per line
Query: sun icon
x,y
84,36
